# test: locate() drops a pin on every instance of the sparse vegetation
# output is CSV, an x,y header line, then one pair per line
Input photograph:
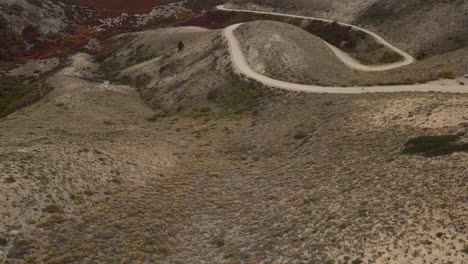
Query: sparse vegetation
x,y
447,73
390,57
357,261
431,146
300,135
14,94
11,90
218,242
158,116
52,209
231,170
10,179
240,96
3,242
13,9
465,250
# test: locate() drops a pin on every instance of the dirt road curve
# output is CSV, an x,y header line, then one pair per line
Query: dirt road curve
x,y
345,58
241,66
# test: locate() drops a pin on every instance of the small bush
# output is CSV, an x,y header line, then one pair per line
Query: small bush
x,y
300,135
465,250
447,73
202,109
421,55
164,250
213,95
219,242
157,116
10,179
3,242
52,209
14,9
88,193
431,146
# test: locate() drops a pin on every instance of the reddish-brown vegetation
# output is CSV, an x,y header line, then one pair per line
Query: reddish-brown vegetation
x,y
197,5
211,19
13,46
30,34
123,6
11,43
333,33
144,6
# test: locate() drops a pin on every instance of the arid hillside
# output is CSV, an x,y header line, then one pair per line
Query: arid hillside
x,y
149,147
420,27
289,53
286,52
209,167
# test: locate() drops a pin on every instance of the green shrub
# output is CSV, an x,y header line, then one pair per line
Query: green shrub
x,y
52,209
13,9
241,96
219,242
3,242
465,250
431,146
11,89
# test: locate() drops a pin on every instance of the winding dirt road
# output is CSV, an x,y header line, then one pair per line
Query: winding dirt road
x,y
241,66
345,58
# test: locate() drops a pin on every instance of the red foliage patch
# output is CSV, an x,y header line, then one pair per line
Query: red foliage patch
x,y
30,34
12,44
199,5
211,19
333,33
124,6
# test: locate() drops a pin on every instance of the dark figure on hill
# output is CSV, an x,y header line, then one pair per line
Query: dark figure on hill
x,y
181,45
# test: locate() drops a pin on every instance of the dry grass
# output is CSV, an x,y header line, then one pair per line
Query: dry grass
x,y
265,175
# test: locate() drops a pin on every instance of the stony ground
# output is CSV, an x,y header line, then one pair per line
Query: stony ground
x,y
91,175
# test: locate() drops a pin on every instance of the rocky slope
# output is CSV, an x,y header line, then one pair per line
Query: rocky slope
x,y
286,52
157,153
420,27
92,174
